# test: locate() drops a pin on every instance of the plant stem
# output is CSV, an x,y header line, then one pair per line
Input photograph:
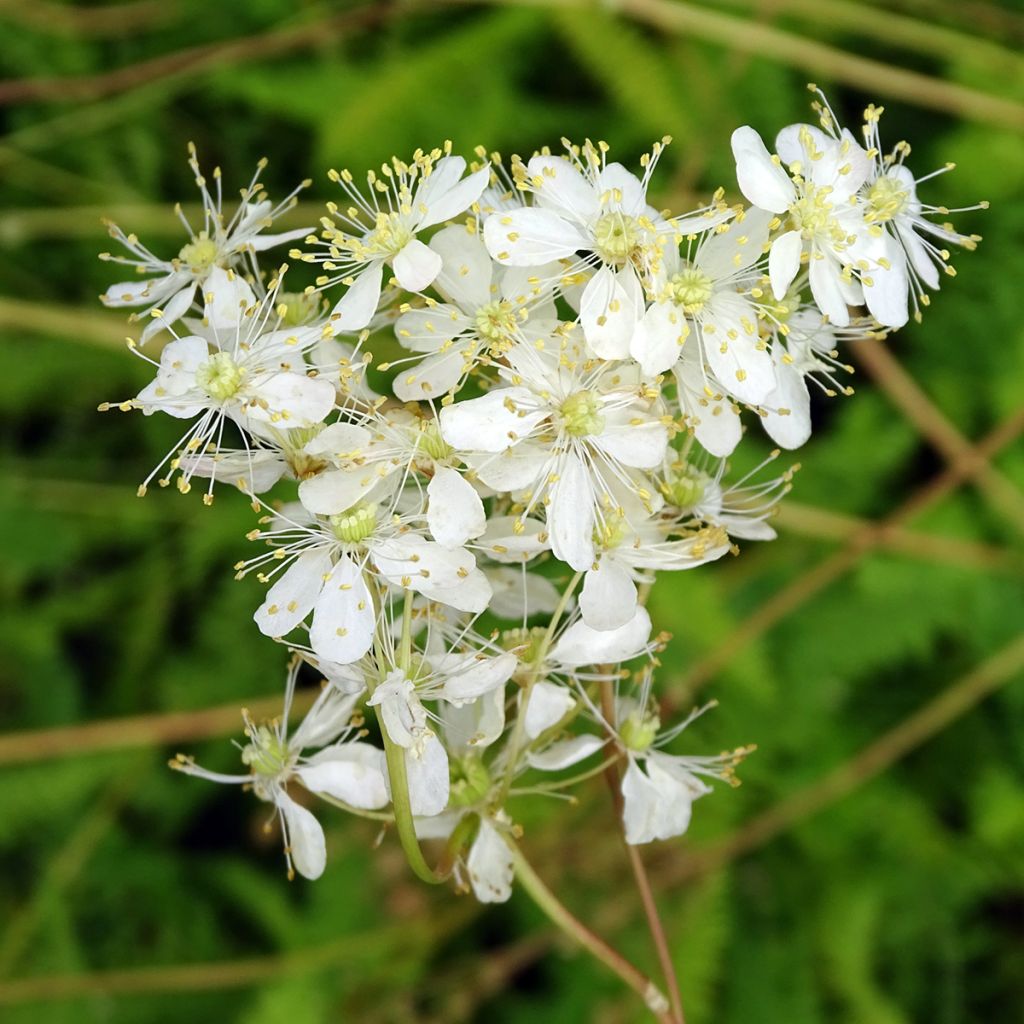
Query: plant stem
x,y
643,883
515,743
397,775
560,915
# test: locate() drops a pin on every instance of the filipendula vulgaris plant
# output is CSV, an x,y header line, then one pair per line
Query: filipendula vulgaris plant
x,y
464,560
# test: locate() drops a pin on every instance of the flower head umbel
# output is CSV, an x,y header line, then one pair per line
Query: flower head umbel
x,y
169,287
461,539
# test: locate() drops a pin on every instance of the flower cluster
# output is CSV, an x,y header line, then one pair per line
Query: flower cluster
x,y
468,531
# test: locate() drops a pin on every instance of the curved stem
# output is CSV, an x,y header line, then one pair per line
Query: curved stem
x,y
515,743
643,883
560,915
399,778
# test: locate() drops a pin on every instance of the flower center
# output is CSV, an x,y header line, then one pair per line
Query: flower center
x,y
639,731
496,321
581,414
887,198
811,214
611,533
780,310
267,755
617,238
691,289
470,781
390,235
355,524
685,488
432,444
527,644
299,308
200,254
220,377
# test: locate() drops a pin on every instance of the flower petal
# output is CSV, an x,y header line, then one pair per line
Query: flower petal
x,y
455,513
293,596
306,845
761,179
531,236
343,619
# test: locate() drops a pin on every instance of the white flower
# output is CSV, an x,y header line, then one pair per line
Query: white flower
x,y
582,204
658,789
914,245
818,200
560,431
378,231
343,769
628,554
697,491
706,296
328,563
486,310
170,288
252,373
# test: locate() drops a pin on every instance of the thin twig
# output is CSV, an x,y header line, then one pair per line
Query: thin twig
x,y
802,589
774,44
560,915
139,731
929,720
174,979
654,923
190,61
117,20
908,396
810,521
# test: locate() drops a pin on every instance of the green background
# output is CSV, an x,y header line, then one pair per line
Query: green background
x,y
832,886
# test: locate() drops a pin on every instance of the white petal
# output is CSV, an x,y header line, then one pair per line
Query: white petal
x,y
784,261
531,236
825,288
788,408
353,773
491,423
428,779
172,311
615,178
431,329
333,491
306,844
641,805
227,296
455,513
470,676
733,348
581,645
489,865
763,182
518,594
343,620
356,307
449,576
714,419
290,400
292,597
564,753
455,200
559,186
504,543
724,254
658,338
466,267
633,441
609,313
887,294
549,703
571,514
435,375
477,724
416,266
608,598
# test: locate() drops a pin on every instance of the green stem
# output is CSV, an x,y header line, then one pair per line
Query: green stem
x,y
516,740
560,915
399,778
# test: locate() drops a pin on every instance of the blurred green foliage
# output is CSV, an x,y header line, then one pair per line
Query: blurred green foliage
x,y
902,902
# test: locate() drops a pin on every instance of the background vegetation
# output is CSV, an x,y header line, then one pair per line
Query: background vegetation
x,y
870,869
